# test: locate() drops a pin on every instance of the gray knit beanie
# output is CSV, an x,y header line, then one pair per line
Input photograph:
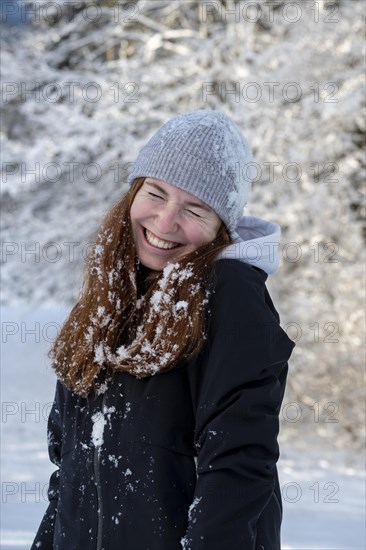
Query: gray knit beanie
x,y
205,154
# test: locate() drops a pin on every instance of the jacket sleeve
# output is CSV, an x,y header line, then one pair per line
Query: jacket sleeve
x,y
44,536
237,395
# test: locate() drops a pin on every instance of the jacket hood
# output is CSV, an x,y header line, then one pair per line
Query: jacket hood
x,y
256,243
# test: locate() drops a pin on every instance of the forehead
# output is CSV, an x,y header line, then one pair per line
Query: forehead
x,y
175,192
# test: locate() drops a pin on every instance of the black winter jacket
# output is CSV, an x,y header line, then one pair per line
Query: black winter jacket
x,y
183,459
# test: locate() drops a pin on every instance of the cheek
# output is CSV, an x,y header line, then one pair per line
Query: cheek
x,y
138,210
201,235
133,210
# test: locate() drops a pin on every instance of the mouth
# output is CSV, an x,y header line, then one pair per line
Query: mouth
x,y
152,240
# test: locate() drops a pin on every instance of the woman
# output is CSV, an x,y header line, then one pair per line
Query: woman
x,y
172,365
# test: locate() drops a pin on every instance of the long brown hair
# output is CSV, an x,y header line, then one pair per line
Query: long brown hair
x,y
112,328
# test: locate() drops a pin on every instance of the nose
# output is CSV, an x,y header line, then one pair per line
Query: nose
x,y
166,219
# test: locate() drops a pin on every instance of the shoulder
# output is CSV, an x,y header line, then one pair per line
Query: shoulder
x,y
243,320
239,291
237,276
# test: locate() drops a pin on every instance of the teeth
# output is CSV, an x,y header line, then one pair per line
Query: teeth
x,y
150,237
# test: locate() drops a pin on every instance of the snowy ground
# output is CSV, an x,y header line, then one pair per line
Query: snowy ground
x,y
323,491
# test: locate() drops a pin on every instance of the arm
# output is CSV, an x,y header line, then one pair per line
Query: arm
x,y
44,537
237,394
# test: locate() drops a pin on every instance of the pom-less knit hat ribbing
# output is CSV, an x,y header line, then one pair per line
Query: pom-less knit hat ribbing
x,y
205,154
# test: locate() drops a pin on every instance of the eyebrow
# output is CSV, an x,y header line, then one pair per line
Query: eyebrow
x,y
195,204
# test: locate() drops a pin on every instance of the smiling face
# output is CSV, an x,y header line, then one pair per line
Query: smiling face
x,y
168,223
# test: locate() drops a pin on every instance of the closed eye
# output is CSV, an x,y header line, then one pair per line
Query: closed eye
x,y
153,195
162,198
194,213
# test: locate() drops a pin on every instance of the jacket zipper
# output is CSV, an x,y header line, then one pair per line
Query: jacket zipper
x,y
99,489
